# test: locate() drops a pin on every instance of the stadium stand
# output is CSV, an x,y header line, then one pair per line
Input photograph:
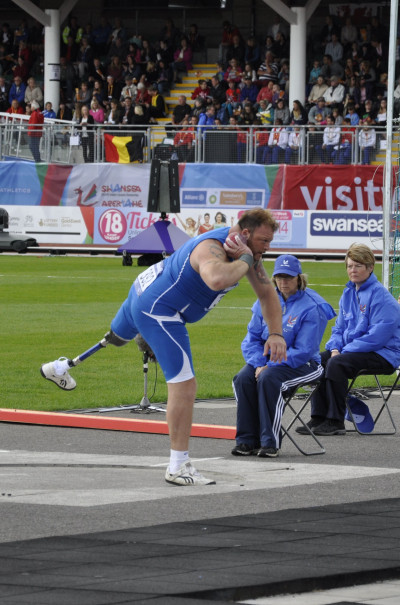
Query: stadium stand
x,y
131,86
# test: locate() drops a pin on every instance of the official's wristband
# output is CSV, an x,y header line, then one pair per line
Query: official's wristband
x,y
247,258
276,334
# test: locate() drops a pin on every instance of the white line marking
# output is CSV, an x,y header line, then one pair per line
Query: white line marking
x,y
73,479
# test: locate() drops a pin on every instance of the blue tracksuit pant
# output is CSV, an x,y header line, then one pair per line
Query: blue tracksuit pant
x,y
329,400
260,403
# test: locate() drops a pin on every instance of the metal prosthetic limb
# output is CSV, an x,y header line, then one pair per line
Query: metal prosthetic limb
x,y
148,355
109,338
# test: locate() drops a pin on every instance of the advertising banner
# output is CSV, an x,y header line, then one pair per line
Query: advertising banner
x,y
107,185
338,230
298,229
292,231
316,187
20,184
52,225
333,188
116,226
318,207
231,185
83,185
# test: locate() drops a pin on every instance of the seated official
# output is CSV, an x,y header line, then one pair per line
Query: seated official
x,y
366,336
261,384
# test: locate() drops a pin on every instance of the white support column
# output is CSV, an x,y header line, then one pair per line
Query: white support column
x,y
298,37
388,168
52,59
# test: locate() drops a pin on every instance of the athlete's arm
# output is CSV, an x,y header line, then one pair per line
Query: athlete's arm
x,y
210,260
275,346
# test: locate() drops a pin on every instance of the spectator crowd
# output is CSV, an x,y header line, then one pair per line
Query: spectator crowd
x,y
121,79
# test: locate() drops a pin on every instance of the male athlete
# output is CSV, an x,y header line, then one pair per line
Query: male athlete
x,y
181,289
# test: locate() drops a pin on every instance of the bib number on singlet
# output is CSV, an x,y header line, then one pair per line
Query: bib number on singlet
x,y
145,279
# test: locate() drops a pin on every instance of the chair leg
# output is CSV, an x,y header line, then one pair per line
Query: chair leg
x,y
297,416
385,403
286,433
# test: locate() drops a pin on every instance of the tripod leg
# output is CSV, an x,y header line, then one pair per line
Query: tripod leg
x,y
145,403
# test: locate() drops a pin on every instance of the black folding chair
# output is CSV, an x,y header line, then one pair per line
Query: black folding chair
x,y
296,416
383,398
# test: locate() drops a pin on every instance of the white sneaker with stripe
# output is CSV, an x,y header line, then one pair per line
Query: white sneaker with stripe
x,y
187,475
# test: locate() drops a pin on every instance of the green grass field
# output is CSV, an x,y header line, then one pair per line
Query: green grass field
x,y
53,306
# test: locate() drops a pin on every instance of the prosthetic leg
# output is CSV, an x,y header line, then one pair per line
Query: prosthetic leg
x,y
57,371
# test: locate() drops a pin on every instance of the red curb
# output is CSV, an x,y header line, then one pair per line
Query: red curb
x,y
109,423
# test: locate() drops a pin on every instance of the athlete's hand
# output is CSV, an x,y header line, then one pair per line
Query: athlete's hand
x,y
275,347
235,245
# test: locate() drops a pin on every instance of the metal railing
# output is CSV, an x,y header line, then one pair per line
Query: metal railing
x,y
65,143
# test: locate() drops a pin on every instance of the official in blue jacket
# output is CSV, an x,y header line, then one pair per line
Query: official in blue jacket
x,y
261,384
366,336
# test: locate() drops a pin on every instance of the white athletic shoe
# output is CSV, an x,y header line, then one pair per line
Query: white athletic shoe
x,y
57,372
187,475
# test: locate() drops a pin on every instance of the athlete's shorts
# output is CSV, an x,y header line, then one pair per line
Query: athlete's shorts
x,y
165,332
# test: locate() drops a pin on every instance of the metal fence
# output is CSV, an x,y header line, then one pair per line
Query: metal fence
x,y
65,143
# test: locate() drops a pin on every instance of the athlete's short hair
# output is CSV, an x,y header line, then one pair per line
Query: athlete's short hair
x,y
360,253
257,217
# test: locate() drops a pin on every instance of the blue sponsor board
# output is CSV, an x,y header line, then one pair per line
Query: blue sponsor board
x,y
254,198
346,224
194,197
222,197
20,184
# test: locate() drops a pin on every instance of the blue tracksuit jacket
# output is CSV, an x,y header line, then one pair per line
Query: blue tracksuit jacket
x,y
307,311
368,320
